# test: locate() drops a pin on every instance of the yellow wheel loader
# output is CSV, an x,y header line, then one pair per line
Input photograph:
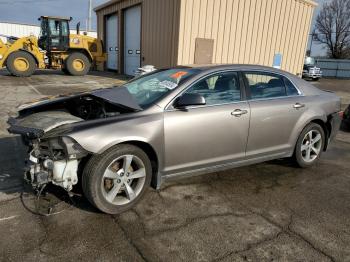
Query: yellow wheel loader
x,y
56,48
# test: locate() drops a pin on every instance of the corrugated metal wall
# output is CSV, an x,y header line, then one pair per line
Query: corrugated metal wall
x,y
160,25
160,30
249,31
334,67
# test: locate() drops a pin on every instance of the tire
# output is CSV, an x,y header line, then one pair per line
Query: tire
x,y
304,145
21,63
99,189
78,64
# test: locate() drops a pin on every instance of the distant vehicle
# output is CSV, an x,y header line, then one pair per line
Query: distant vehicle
x,y
55,48
310,71
173,122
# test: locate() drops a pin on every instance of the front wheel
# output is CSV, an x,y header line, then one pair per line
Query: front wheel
x,y
310,145
21,63
115,180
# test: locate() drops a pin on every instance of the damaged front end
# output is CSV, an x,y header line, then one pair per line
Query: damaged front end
x,y
54,160
53,156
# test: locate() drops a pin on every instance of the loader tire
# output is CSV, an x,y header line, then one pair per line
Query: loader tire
x,y
78,64
21,63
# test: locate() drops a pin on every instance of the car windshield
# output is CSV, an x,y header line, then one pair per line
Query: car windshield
x,y
148,89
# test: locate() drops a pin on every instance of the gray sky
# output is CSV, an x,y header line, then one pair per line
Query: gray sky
x,y
27,11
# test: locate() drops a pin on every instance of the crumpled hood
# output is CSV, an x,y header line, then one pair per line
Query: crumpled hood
x,y
115,95
37,124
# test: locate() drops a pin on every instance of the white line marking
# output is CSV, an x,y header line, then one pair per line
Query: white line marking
x,y
8,218
34,89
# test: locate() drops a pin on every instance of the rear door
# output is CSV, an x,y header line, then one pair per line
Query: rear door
x,y
276,106
210,135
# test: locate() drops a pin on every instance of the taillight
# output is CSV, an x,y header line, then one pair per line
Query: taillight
x,y
341,114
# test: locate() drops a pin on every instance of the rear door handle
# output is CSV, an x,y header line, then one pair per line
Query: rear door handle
x,y
238,112
298,105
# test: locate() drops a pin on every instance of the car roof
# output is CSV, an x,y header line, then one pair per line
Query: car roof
x,y
247,67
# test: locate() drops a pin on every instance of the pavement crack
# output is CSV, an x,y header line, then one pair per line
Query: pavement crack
x,y
194,220
307,241
45,238
128,238
250,246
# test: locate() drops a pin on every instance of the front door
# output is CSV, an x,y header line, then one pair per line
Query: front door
x,y
210,135
276,106
132,47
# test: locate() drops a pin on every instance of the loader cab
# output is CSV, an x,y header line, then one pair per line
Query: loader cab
x,y
54,35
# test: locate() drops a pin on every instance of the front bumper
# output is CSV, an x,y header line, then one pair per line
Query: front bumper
x,y
312,75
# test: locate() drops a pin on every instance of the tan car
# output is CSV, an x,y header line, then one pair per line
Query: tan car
x,y
175,122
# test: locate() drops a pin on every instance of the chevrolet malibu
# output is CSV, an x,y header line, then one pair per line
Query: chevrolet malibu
x,y
174,122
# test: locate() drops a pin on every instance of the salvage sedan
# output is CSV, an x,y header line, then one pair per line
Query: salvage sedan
x,y
175,122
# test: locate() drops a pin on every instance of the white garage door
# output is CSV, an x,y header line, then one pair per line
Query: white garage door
x,y
132,50
112,42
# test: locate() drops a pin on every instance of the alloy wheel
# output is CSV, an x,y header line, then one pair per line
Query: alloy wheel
x,y
123,180
311,145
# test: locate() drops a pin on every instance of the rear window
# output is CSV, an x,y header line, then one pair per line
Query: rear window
x,y
291,89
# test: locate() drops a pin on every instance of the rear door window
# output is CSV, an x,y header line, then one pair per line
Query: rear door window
x,y
265,85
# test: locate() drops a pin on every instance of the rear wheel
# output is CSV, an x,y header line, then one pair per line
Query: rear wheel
x,y
310,145
115,180
21,64
77,64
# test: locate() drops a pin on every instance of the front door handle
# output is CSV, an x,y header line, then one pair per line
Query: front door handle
x,y
238,112
298,105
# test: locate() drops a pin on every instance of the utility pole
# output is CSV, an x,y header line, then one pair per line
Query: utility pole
x,y
90,15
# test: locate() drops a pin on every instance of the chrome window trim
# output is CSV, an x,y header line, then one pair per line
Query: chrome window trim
x,y
205,106
274,98
300,94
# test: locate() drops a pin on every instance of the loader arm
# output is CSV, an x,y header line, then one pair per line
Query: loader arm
x,y
27,44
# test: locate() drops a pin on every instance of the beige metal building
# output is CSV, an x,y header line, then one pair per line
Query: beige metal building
x,y
179,32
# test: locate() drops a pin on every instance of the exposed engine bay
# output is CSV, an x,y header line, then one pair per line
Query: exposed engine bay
x,y
55,158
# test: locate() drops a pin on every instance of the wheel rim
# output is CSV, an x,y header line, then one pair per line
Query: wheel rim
x,y
21,64
78,65
311,146
123,180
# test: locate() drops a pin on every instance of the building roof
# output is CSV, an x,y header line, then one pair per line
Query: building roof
x,y
97,8
111,2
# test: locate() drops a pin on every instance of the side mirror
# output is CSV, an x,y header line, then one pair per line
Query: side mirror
x,y
189,100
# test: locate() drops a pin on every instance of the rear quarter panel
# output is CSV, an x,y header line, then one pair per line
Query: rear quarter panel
x,y
318,107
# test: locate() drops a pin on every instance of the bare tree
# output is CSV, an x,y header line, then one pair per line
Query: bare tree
x,y
333,28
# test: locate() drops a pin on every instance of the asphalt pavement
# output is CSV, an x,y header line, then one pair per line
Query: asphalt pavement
x,y
266,212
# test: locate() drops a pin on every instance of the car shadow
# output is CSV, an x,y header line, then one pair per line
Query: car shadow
x,y
345,126
12,153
